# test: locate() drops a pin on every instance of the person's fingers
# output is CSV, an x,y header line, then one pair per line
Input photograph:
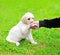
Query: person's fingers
x,y
34,25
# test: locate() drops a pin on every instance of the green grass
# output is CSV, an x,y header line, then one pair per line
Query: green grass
x,y
48,39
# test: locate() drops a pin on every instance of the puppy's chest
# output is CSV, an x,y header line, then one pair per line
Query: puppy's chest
x,y
26,32
24,35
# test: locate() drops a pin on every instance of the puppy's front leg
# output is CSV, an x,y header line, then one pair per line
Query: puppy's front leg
x,y
29,38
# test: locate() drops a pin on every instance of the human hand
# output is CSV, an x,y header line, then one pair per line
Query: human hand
x,y
34,25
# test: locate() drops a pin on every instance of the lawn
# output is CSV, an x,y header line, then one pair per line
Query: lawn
x,y
48,40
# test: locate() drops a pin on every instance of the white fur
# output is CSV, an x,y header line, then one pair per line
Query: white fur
x,y
21,31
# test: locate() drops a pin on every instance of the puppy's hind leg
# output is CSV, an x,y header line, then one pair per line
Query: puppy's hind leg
x,y
16,42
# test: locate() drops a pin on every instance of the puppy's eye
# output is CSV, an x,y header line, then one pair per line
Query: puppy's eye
x,y
32,18
28,18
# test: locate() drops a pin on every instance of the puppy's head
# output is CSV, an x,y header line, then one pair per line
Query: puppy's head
x,y
28,18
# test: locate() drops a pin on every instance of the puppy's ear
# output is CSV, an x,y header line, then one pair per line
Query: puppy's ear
x,y
24,20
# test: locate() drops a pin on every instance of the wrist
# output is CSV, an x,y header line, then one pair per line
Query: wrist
x,y
41,23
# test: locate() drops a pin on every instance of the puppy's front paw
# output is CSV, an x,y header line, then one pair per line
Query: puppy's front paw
x,y
17,44
34,43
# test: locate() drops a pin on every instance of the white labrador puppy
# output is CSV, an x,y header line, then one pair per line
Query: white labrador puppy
x,y
22,30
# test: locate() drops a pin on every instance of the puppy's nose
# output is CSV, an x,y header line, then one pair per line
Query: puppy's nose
x,y
32,21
